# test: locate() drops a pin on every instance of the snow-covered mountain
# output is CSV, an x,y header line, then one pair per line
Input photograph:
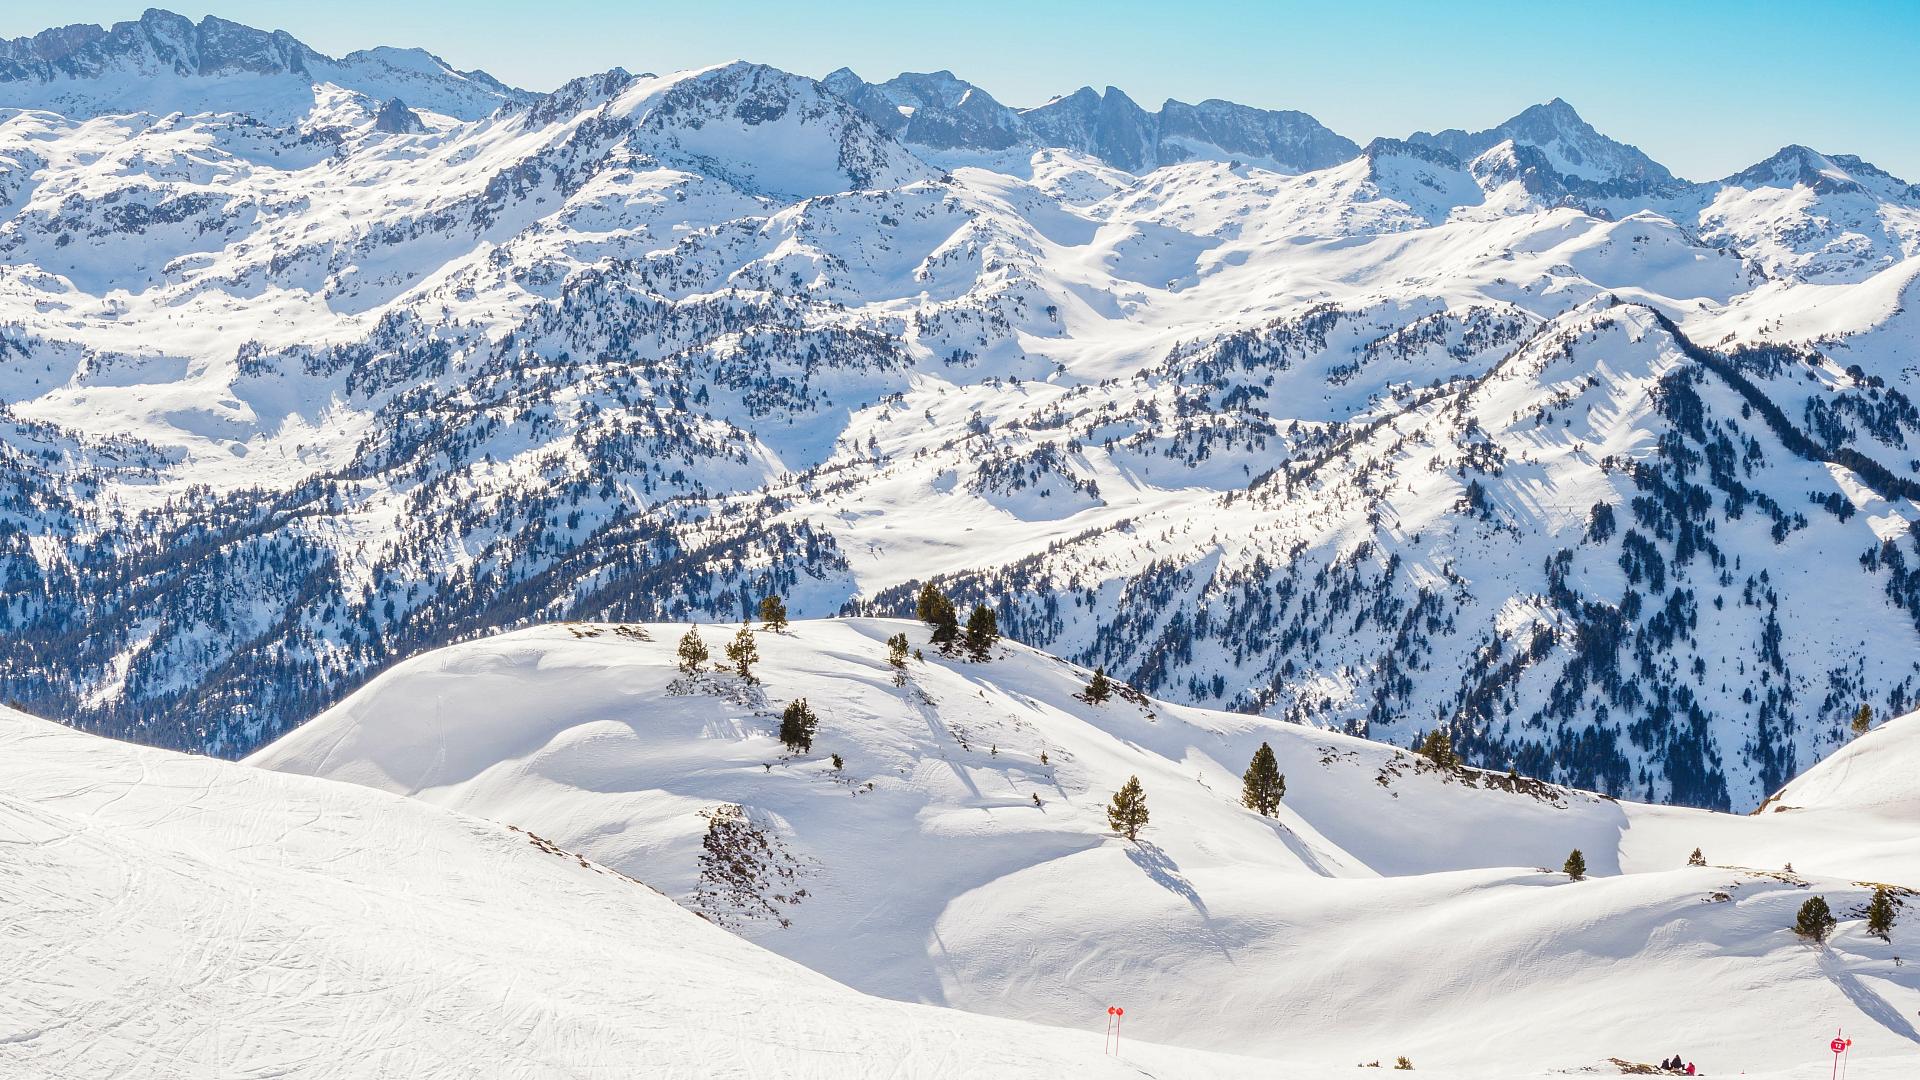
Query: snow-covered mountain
x,y
957,122
164,63
1608,474
944,839
1554,138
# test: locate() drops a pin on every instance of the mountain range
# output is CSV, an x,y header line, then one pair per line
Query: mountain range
x,y
310,364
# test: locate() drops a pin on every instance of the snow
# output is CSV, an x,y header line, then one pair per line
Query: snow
x,y
173,916
1390,908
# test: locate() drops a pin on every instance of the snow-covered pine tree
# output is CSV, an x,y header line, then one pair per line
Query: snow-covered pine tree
x,y
1576,866
983,631
773,613
1815,920
1099,689
1261,786
797,725
692,651
1880,913
1127,814
742,653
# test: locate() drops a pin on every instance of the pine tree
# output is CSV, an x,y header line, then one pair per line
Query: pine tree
x,y
897,651
927,605
1880,913
1576,866
1128,812
742,653
1863,720
1261,786
983,630
1438,748
1099,689
1815,920
1696,859
797,726
693,652
946,624
773,613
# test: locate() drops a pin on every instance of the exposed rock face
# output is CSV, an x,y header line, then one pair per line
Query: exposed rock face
x,y
395,118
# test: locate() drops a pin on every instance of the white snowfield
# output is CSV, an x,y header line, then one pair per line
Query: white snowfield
x,y
1390,908
171,916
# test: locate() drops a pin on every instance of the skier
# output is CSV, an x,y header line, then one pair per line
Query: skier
x,y
1689,1068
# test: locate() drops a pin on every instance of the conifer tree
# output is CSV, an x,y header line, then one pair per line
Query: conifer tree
x,y
797,726
1863,720
1696,859
897,658
773,613
983,630
1261,786
693,652
1438,748
1576,866
1880,914
946,625
1127,814
743,653
1815,920
926,606
1099,689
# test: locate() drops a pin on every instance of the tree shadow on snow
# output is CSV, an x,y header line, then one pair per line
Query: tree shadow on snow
x,y
1166,873
1865,999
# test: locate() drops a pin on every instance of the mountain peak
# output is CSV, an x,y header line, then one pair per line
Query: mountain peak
x,y
1576,154
165,62
1795,165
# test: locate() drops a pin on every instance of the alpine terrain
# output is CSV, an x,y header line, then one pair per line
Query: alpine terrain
x,y
311,363
1451,595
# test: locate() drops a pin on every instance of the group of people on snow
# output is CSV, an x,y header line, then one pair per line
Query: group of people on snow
x,y
1675,1065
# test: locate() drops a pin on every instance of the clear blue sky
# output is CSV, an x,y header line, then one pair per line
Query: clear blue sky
x,y
1705,86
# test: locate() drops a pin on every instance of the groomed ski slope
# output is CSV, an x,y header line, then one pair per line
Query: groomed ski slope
x,y
1391,908
169,916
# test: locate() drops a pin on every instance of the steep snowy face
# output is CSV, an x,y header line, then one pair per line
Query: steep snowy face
x,y
1804,216
941,835
164,63
1567,148
764,131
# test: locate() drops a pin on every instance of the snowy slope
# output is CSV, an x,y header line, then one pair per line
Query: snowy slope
x,y
1392,907
172,916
